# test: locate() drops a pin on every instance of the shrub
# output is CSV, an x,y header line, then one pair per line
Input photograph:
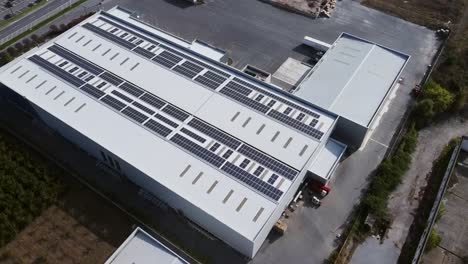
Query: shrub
x,y
434,240
423,113
441,97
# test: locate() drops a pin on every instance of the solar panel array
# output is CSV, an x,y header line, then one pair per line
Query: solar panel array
x,y
252,181
268,162
164,129
214,133
213,78
198,150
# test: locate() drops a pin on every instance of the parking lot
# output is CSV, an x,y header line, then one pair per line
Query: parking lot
x,y
264,36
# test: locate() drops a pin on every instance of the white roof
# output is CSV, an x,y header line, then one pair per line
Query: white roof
x,y
140,248
327,159
158,156
353,78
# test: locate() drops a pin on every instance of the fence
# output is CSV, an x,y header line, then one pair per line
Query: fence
x,y
36,21
435,207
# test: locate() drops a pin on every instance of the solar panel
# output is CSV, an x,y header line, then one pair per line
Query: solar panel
x,y
238,88
143,108
215,147
300,117
193,135
112,102
96,93
66,54
111,78
268,162
175,112
82,74
164,62
134,114
228,153
245,100
144,52
198,150
244,163
89,78
272,179
121,96
56,71
109,36
192,66
131,89
287,110
170,57
129,30
313,123
214,77
184,71
258,171
271,103
278,98
216,134
296,124
152,100
158,128
252,181
259,97
207,82
166,120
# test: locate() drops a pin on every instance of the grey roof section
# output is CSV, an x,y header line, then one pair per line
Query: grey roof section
x,y
140,247
353,78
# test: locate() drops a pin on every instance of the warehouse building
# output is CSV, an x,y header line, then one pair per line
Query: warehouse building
x,y
220,147
353,79
141,247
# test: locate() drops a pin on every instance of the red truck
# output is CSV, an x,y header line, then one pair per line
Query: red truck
x,y
319,188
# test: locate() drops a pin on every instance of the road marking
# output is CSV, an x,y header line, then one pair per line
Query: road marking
x,y
378,142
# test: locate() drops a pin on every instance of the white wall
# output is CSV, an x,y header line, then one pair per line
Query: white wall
x,y
200,217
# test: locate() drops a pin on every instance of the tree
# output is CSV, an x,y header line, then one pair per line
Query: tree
x,y
423,113
5,58
12,51
27,43
19,47
441,97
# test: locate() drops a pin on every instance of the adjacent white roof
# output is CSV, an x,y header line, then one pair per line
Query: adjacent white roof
x,y
141,248
353,78
327,159
157,156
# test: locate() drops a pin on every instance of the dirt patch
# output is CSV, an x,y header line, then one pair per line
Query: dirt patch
x,y
430,13
81,228
312,8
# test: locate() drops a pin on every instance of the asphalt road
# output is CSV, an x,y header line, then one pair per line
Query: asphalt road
x,y
31,18
262,35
